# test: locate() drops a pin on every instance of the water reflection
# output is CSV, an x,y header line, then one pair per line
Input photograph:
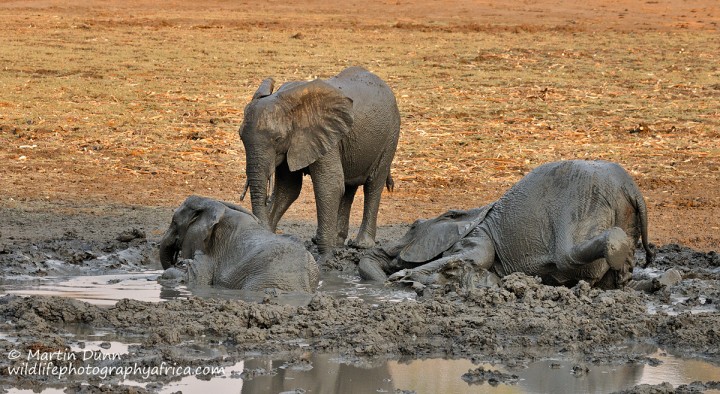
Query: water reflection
x,y
100,289
325,375
330,374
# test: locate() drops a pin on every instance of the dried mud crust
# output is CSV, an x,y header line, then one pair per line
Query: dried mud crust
x,y
516,323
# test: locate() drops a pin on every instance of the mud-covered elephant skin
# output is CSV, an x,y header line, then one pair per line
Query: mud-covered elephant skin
x,y
230,248
564,222
342,131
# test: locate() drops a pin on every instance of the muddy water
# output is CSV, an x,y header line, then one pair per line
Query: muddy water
x,y
325,373
331,373
328,374
144,286
99,289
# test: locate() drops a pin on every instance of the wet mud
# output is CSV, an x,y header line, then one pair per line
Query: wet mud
x,y
515,325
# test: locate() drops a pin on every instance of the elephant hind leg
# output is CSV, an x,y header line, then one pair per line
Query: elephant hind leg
x,y
372,190
614,245
344,213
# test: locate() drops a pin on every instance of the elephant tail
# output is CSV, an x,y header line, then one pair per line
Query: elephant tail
x,y
642,223
390,183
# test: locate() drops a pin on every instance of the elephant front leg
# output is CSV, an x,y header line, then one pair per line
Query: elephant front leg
x,y
287,189
466,258
329,186
201,270
373,265
614,245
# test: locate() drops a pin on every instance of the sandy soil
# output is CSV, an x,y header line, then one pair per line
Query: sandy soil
x,y
111,113
139,104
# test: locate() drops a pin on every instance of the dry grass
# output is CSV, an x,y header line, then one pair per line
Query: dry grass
x,y
141,109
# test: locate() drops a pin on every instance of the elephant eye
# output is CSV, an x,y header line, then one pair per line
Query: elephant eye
x,y
194,217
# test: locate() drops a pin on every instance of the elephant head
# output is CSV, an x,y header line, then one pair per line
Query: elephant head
x,y
194,227
296,125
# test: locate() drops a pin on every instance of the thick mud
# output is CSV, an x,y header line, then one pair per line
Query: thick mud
x,y
149,331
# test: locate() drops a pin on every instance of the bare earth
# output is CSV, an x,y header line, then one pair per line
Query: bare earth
x,y
135,103
112,112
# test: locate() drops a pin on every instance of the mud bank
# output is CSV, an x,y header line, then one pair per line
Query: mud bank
x,y
516,324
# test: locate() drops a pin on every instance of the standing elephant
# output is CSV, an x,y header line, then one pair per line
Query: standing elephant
x,y
564,221
230,248
343,131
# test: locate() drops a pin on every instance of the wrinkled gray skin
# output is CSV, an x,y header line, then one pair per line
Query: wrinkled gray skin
x,y
343,131
564,221
230,248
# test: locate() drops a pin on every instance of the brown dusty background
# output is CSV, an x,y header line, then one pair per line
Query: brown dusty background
x,y
138,103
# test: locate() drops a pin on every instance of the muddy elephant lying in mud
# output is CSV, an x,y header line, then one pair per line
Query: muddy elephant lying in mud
x,y
230,248
564,221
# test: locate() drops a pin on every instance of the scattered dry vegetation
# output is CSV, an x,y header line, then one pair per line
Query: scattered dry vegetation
x,y
136,105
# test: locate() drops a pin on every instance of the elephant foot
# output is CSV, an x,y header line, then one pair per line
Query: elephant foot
x,y
613,244
326,259
429,273
413,277
402,276
370,270
362,241
618,249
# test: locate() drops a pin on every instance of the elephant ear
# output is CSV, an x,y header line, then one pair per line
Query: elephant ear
x,y
429,239
265,89
240,209
321,117
207,213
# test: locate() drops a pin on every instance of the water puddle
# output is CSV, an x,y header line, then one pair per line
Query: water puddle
x,y
331,374
100,289
144,286
324,373
349,286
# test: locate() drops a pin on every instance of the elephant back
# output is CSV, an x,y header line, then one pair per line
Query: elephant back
x,y
376,124
270,261
537,222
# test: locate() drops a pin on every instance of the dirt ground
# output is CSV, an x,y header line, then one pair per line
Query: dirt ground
x,y
112,112
136,103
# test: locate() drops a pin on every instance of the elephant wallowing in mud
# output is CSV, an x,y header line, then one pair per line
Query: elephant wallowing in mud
x,y
343,131
564,221
230,248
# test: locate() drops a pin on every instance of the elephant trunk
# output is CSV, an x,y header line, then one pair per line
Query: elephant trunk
x,y
260,197
168,250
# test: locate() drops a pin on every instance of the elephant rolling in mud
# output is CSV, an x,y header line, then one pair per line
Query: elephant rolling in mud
x,y
342,131
230,248
564,221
